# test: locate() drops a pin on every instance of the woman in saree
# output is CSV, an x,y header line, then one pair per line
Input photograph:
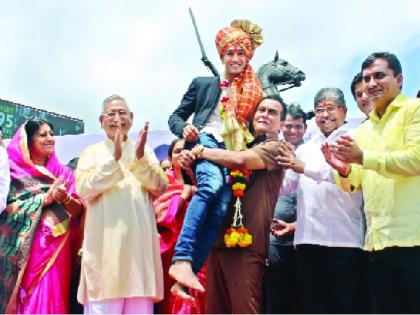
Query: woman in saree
x,y
170,210
41,219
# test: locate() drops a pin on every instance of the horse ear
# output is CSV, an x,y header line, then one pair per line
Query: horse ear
x,y
276,56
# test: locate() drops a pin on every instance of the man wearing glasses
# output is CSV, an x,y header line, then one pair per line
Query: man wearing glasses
x,y
330,225
121,265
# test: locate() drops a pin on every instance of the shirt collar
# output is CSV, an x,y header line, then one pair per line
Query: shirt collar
x,y
263,137
397,102
344,129
110,142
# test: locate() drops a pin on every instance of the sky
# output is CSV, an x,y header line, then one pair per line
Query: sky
x,y
67,56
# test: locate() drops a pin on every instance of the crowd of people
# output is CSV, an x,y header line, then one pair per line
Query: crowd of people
x,y
243,216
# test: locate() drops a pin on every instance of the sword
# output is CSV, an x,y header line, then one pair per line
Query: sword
x,y
204,58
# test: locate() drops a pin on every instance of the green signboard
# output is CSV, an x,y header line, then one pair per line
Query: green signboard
x,y
13,115
7,119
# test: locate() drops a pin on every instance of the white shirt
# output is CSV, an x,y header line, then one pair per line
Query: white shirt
x,y
4,177
326,215
214,124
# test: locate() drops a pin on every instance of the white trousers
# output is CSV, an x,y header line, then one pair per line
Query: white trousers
x,y
134,305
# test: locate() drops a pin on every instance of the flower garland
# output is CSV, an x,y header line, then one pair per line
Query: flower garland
x,y
224,85
237,234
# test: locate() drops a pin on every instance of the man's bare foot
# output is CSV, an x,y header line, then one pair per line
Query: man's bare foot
x,y
180,292
182,272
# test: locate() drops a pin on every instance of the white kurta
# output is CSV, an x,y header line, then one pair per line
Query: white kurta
x,y
121,255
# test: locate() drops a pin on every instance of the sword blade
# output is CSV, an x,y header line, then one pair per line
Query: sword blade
x,y
197,34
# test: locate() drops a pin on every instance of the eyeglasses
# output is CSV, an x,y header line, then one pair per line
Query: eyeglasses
x,y
121,113
328,109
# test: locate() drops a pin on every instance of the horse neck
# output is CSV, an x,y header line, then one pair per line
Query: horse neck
x,y
271,90
264,78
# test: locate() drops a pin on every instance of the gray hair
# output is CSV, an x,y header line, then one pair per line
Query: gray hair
x,y
330,93
114,97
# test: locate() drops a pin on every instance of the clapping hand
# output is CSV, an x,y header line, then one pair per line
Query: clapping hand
x,y
141,141
342,167
118,138
347,150
56,192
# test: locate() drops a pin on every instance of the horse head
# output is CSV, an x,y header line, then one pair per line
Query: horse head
x,y
279,72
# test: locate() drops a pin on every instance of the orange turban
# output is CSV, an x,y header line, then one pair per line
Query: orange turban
x,y
241,32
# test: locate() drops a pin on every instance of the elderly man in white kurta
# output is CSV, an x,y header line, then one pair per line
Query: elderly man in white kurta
x,y
121,265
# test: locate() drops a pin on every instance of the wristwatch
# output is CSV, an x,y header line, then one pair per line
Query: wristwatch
x,y
198,151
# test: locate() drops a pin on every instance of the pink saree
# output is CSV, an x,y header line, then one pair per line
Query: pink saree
x,y
35,241
46,282
170,217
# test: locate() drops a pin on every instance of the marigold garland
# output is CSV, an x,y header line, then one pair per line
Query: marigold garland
x,y
224,100
237,234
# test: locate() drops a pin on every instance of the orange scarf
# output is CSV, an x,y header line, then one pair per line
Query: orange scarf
x,y
241,98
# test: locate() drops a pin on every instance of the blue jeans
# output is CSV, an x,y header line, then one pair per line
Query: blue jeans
x,y
206,210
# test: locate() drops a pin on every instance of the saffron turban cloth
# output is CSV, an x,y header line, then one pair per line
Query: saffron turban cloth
x,y
244,92
244,33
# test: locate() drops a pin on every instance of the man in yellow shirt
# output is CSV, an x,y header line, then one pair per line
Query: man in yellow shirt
x,y
121,264
383,160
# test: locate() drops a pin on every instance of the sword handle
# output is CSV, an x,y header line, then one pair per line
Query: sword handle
x,y
209,65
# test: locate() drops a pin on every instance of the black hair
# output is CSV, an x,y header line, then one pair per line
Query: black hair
x,y
277,97
32,126
357,79
172,145
296,112
393,62
418,94
72,164
310,115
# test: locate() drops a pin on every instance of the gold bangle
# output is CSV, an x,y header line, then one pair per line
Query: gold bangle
x,y
199,151
67,200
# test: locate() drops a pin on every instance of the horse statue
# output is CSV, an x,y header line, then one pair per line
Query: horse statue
x,y
279,73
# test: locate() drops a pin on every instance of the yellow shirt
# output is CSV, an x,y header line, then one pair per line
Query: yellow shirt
x,y
121,255
390,175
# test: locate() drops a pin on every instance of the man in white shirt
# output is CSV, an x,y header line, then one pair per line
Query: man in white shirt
x,y
4,174
330,225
